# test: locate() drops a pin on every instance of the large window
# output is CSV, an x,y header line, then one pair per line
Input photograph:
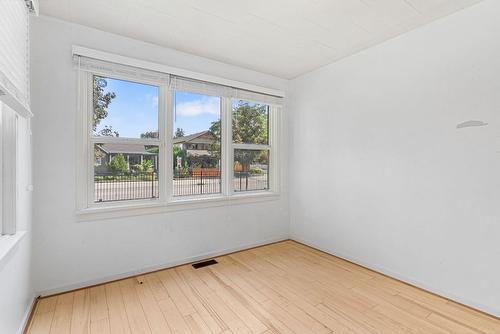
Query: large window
x,y
156,138
196,144
125,138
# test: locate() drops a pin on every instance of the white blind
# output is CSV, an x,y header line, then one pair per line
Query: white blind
x,y
202,87
175,82
106,68
14,54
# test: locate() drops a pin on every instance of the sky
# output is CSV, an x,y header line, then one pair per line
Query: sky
x,y
134,110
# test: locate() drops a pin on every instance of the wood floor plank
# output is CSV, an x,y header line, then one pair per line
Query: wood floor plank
x,y
80,320
41,323
118,320
154,315
61,323
283,288
135,313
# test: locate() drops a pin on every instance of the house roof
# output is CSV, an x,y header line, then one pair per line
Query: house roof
x,y
190,138
125,148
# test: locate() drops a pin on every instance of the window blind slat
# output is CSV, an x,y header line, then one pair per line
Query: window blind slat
x,y
117,70
14,78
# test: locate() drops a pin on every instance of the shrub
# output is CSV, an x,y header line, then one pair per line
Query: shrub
x,y
256,170
118,163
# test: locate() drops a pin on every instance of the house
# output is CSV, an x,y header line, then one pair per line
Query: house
x,y
134,154
197,144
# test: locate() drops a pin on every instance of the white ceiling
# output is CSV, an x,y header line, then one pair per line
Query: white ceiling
x,y
285,38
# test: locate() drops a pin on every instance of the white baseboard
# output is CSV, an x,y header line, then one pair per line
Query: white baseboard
x,y
169,264
446,294
26,316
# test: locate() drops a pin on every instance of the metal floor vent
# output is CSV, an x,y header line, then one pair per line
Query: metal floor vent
x,y
204,264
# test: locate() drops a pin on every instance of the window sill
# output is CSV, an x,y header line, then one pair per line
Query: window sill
x,y
157,207
9,242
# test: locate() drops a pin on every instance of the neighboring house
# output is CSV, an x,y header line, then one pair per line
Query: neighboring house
x,y
134,154
197,144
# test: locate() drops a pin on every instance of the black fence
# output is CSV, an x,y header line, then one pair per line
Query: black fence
x,y
197,181
114,186
246,181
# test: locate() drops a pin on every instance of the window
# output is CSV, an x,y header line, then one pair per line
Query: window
x,y
8,161
149,136
125,139
196,144
250,133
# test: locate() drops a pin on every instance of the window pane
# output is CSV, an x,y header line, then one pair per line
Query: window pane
x,y
125,172
196,144
250,123
124,109
251,170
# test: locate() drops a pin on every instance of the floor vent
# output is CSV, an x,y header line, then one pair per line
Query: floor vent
x,y
204,264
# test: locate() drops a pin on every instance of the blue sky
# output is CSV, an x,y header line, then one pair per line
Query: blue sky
x,y
135,109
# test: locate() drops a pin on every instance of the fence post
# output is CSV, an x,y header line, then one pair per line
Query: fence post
x,y
152,184
201,180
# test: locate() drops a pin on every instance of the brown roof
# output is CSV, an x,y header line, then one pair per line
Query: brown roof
x,y
125,148
194,136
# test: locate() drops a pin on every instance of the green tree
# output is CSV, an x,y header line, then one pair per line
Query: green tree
x,y
146,165
108,132
250,126
101,103
179,133
118,163
214,148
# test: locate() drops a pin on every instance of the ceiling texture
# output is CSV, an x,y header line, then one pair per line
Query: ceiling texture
x,y
285,38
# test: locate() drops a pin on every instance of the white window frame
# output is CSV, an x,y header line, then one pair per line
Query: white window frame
x,y
85,152
8,175
88,209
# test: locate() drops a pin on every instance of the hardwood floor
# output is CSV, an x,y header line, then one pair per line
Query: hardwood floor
x,y
281,288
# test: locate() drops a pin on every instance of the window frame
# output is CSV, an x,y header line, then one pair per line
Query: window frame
x,y
9,120
87,208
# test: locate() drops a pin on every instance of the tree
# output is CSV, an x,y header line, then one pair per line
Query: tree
x,y
101,103
146,165
108,132
118,163
150,134
250,126
179,133
214,148
250,123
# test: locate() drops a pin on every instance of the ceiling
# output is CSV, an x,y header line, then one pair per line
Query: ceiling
x,y
285,38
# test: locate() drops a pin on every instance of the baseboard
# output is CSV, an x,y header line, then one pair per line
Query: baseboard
x,y
28,314
149,269
402,278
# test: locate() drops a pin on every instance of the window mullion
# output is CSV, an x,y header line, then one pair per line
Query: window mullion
x,y
169,127
227,147
274,158
164,149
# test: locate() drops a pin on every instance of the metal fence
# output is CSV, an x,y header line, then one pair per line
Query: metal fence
x,y
197,181
245,181
113,186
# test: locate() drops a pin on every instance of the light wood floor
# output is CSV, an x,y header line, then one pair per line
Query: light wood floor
x,y
280,288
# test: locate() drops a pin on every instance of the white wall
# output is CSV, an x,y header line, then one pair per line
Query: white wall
x,y
68,253
16,288
381,175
